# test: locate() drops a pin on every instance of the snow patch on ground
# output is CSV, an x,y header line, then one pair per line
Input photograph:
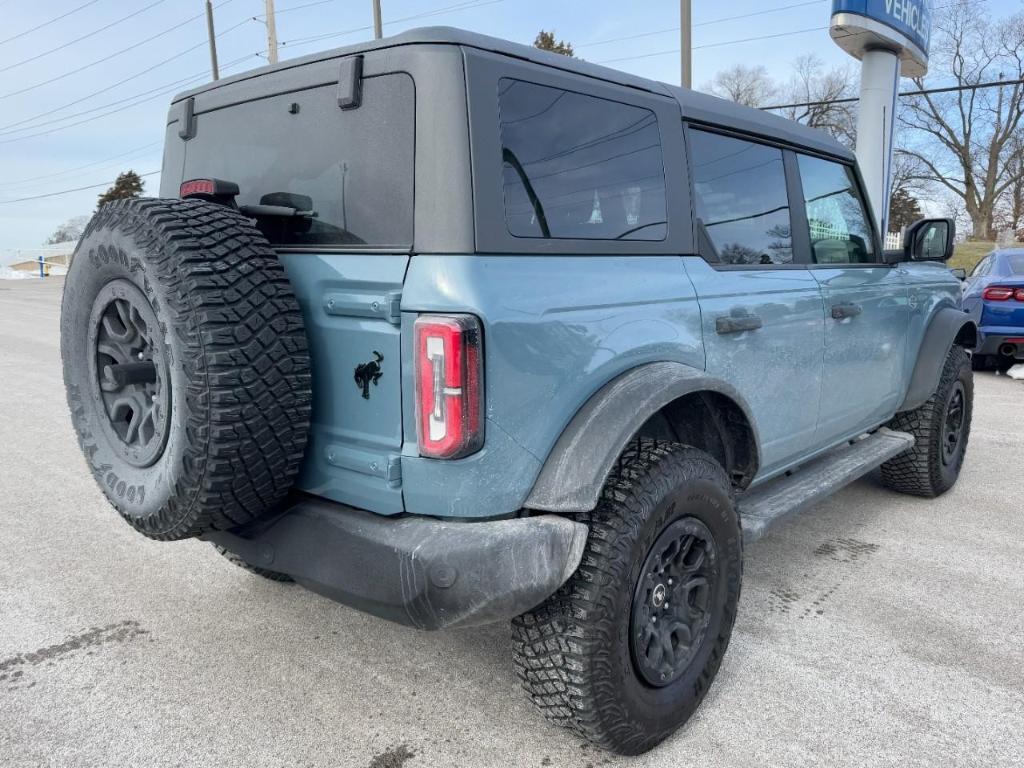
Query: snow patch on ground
x,y
6,273
1016,372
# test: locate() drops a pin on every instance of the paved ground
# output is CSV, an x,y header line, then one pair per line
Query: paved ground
x,y
873,630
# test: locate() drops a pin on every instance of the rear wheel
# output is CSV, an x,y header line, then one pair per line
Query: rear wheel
x,y
186,366
941,428
626,650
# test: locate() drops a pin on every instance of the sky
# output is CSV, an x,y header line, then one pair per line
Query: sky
x,y
85,95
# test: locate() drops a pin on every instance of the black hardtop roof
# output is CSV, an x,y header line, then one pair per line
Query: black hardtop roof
x,y
697,106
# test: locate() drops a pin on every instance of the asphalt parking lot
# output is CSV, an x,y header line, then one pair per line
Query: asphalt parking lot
x,y
873,630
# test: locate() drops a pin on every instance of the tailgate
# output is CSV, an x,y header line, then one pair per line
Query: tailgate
x,y
350,304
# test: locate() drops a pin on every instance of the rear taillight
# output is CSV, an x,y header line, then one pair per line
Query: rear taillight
x,y
449,385
1002,293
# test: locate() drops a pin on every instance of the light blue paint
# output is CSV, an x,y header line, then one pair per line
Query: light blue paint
x,y
556,329
777,368
864,374
346,305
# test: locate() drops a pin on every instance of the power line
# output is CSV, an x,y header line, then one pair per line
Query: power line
x,y
48,23
714,45
93,164
83,37
151,157
719,21
173,89
10,128
69,191
124,50
463,6
924,92
703,23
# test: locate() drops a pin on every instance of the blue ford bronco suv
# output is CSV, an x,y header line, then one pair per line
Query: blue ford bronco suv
x,y
454,331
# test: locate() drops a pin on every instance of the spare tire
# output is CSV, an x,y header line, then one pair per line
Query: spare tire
x,y
186,366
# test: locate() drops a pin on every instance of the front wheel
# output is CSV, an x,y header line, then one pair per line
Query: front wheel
x,y
624,653
941,428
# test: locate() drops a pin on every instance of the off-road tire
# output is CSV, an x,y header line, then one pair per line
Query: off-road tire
x,y
227,342
922,471
573,652
237,560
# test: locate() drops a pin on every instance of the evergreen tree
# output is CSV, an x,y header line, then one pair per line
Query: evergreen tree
x,y
546,42
127,185
904,210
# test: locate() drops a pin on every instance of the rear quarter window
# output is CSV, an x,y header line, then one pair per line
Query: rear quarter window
x,y
1016,263
578,166
355,167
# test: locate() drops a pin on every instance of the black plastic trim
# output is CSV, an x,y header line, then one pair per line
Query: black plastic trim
x,y
418,571
942,332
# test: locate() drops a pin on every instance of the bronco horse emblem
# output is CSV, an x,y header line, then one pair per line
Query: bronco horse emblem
x,y
369,372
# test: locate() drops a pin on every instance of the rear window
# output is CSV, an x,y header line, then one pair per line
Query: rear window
x,y
353,168
579,167
1016,262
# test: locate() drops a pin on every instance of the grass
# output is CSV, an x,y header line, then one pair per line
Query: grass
x,y
969,253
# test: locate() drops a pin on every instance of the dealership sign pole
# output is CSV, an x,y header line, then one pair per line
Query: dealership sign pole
x,y
890,37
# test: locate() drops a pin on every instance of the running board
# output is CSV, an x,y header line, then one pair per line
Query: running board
x,y
766,504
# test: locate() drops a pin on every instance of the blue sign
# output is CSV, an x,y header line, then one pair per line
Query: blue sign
x,y
910,18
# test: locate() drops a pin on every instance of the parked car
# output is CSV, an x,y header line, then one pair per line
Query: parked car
x,y
994,297
454,331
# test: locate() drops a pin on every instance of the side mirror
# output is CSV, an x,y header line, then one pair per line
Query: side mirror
x,y
929,240
959,274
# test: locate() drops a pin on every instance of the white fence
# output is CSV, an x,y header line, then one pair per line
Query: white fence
x,y
823,230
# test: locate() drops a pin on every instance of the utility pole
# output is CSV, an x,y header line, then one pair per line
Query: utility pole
x,y
213,40
271,33
686,43
378,30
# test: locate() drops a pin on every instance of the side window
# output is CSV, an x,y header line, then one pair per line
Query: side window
x,y
577,166
836,214
741,201
982,268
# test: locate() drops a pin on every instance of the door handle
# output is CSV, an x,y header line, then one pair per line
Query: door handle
x,y
737,323
840,311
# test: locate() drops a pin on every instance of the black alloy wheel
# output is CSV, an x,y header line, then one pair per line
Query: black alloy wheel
x,y
129,373
953,425
672,602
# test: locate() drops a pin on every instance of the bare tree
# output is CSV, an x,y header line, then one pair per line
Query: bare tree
x,y
812,82
750,86
1010,213
68,232
965,140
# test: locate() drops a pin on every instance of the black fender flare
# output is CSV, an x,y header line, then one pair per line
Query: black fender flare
x,y
947,327
578,464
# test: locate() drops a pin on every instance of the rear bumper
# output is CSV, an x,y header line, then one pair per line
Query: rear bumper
x,y
995,338
421,572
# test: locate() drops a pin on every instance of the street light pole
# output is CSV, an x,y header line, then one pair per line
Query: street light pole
x,y
271,33
686,43
378,31
213,40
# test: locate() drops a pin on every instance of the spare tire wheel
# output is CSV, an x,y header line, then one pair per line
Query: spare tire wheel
x,y
186,366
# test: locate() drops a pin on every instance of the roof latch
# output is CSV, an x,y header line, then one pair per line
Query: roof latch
x,y
350,83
